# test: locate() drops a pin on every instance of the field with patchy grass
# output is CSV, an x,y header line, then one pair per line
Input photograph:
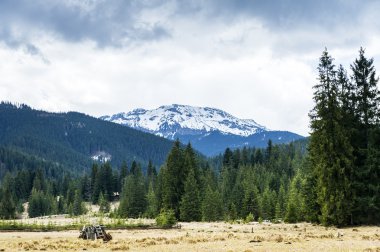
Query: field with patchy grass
x,y
205,237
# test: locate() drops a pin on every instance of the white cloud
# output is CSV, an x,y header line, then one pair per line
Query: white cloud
x,y
242,66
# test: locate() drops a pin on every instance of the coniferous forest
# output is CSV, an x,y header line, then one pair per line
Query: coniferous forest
x,y
332,178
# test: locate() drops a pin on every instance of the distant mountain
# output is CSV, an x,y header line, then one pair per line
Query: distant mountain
x,y
75,140
210,130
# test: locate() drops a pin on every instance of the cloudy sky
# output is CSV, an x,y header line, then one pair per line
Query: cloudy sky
x,y
254,59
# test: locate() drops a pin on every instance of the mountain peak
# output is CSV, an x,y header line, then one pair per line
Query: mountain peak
x,y
169,120
210,130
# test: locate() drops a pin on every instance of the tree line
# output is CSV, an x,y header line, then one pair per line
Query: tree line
x,y
243,183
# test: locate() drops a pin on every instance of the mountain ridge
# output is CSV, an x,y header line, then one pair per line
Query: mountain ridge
x,y
210,130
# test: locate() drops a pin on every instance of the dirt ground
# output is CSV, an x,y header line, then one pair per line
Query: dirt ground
x,y
205,237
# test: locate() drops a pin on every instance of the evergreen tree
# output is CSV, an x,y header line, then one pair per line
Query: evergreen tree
x,y
258,157
365,138
330,149
41,204
280,204
39,181
152,204
232,212
7,205
151,173
173,179
134,168
190,202
104,205
268,151
292,209
61,205
133,201
94,173
124,172
77,208
227,158
251,201
212,209
267,207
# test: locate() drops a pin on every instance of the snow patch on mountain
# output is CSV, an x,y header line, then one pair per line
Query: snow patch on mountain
x,y
168,121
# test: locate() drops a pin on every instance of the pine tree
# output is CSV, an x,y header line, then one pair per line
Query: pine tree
x,y
330,148
267,207
152,204
77,204
293,206
94,172
151,174
268,151
61,205
365,142
280,204
212,209
367,95
41,204
133,201
123,174
39,182
107,181
173,179
251,201
278,212
232,212
7,205
190,202
104,205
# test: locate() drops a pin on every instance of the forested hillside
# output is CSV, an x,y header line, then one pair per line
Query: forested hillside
x,y
250,182
71,139
12,161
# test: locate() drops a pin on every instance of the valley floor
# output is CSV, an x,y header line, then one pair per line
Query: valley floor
x,y
205,237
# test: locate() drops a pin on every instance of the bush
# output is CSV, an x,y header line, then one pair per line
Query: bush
x,y
166,219
249,218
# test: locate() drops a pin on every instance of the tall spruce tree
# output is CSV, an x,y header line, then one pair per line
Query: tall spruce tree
x,y
173,179
133,201
330,148
212,207
7,205
77,208
365,141
190,201
152,204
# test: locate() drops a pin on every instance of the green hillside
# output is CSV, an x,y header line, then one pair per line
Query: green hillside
x,y
71,139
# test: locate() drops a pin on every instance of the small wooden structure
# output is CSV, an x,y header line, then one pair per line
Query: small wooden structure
x,y
94,232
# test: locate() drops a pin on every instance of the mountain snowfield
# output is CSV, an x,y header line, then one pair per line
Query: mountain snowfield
x,y
166,121
210,130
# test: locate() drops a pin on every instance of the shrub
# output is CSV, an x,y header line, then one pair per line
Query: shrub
x,y
249,218
166,219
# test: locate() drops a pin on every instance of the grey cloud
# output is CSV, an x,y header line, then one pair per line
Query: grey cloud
x,y
279,14
111,23
11,41
108,23
119,23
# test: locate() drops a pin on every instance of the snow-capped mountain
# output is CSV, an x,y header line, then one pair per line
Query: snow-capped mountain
x,y
210,130
169,121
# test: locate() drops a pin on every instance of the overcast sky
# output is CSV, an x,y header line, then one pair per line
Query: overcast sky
x,y
254,59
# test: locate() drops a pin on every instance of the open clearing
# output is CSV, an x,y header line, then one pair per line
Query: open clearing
x,y
205,237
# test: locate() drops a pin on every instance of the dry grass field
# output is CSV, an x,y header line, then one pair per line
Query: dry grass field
x,y
205,237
